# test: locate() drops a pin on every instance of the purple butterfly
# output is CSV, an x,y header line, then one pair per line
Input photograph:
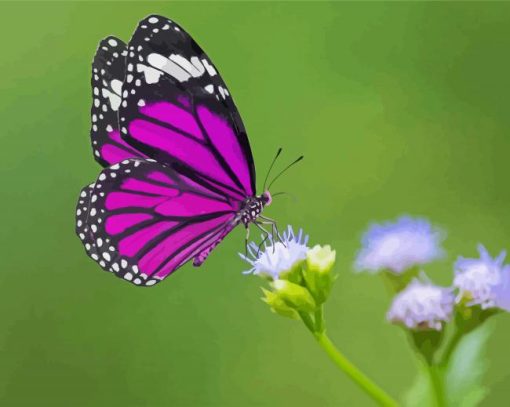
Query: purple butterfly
x,y
179,173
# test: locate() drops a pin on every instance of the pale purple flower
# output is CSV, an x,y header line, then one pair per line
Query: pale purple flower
x,y
484,281
277,256
399,246
422,305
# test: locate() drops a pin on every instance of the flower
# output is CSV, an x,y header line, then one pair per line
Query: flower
x,y
320,258
278,256
399,246
483,281
422,306
317,273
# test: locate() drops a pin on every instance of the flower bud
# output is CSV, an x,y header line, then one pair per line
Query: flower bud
x,y
320,258
295,296
278,306
317,274
294,273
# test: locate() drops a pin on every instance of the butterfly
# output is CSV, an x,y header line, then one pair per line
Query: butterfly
x,y
178,169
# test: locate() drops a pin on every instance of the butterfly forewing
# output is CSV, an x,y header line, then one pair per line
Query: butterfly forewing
x,y
176,108
108,70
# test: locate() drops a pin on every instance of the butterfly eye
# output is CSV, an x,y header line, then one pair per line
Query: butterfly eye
x,y
266,198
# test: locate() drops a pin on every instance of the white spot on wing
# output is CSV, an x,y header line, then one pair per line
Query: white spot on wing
x,y
114,99
193,66
210,69
151,75
116,86
170,67
177,66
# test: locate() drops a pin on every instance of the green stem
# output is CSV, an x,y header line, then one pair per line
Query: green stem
x,y
307,321
372,389
466,322
436,380
356,375
319,319
452,344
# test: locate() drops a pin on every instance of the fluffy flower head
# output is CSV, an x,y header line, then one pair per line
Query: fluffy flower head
x,y
398,246
483,281
422,305
277,256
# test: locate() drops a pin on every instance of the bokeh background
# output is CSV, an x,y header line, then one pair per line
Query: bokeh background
x,y
397,107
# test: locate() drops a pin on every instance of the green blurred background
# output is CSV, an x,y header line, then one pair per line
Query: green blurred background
x,y
398,108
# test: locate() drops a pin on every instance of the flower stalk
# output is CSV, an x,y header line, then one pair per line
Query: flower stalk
x,y
436,381
345,365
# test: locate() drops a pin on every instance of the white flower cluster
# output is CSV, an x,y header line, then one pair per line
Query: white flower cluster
x,y
300,278
277,256
422,305
399,246
484,281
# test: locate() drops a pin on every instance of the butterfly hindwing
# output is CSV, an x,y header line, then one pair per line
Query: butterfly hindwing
x,y
82,228
108,70
176,109
144,220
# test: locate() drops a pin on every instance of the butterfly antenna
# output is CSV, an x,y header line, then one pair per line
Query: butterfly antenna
x,y
292,196
271,167
285,169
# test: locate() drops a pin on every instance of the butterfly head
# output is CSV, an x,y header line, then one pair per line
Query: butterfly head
x,y
266,198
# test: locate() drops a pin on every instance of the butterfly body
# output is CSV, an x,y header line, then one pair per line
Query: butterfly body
x,y
252,208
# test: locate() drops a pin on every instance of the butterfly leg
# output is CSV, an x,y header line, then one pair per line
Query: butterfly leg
x,y
265,233
247,236
274,227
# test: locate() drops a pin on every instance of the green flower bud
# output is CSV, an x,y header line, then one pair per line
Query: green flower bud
x,y
320,258
294,273
279,306
317,273
295,296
